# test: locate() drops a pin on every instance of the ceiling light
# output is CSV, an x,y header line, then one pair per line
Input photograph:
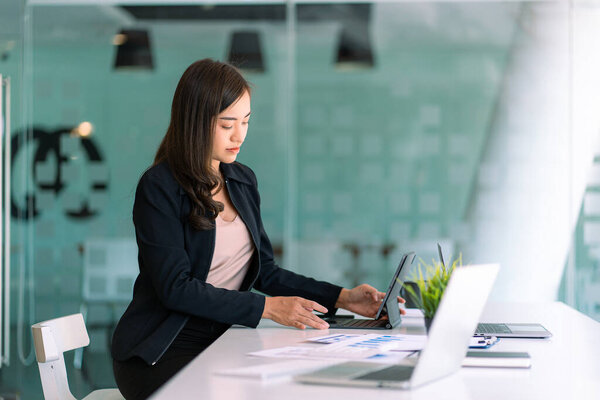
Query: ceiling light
x,y
354,48
245,52
119,39
84,129
133,49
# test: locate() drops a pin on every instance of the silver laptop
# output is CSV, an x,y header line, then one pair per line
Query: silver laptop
x,y
514,330
528,330
449,338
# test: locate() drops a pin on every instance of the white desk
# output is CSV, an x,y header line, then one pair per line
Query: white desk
x,y
565,367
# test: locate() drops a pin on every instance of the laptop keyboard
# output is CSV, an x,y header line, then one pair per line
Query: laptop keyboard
x,y
393,373
492,328
362,323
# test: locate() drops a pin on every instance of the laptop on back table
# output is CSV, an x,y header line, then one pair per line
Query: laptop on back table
x,y
506,329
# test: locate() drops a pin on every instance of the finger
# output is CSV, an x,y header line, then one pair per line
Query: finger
x,y
376,295
315,319
402,311
298,325
368,291
380,296
401,300
312,322
313,305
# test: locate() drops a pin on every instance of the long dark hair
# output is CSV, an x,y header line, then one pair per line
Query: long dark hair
x,y
205,89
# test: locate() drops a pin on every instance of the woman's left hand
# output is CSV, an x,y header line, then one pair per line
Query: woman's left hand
x,y
363,299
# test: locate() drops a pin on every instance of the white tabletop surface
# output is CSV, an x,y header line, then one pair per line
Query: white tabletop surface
x,y
565,367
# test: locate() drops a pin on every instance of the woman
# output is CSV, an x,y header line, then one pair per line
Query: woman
x,y
202,245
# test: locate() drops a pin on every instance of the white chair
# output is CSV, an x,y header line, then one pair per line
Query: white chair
x,y
52,338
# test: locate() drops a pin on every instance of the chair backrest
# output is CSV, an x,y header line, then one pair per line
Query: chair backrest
x,y
51,338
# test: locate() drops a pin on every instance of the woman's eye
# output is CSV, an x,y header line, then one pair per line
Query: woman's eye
x,y
226,127
245,122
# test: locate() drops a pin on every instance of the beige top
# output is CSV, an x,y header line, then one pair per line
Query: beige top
x,y
232,255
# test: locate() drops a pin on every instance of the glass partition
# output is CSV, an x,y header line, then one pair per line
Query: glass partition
x,y
389,151
94,126
378,128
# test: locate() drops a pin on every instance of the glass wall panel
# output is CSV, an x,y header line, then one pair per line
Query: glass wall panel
x,y
420,123
12,37
377,129
389,150
581,278
93,130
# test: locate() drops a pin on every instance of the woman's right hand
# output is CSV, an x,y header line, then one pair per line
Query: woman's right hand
x,y
294,311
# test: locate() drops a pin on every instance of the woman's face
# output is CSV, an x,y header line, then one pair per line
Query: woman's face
x,y
230,131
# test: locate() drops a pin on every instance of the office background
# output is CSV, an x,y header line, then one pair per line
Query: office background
x,y
471,124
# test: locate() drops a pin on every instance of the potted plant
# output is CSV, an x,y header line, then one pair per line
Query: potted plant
x,y
428,285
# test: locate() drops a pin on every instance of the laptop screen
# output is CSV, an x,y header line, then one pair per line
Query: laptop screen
x,y
407,259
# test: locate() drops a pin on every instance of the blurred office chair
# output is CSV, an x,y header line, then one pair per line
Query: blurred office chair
x,y
52,338
110,268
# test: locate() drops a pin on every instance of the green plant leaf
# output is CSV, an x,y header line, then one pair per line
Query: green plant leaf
x,y
432,280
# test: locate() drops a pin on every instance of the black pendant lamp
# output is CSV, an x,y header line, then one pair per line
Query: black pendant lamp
x,y
245,51
133,50
354,48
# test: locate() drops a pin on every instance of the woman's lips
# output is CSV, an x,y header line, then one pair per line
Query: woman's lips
x,y
234,149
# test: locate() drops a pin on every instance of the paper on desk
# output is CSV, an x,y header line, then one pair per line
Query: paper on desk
x,y
285,352
399,342
276,370
328,339
363,347
306,353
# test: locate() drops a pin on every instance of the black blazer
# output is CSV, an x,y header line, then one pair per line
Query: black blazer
x,y
174,261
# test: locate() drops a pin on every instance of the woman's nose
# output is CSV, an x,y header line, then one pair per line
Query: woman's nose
x,y
239,133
